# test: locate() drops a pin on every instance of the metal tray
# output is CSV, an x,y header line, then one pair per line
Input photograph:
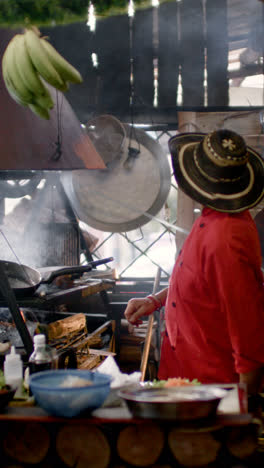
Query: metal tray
x,y
174,403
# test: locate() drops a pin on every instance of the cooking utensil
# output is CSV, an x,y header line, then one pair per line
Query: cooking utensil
x,y
116,199
175,403
24,280
145,355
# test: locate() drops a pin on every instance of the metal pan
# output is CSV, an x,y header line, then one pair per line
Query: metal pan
x,y
127,194
24,280
174,403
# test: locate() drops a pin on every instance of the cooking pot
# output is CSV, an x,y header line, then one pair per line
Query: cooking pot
x,y
129,192
24,280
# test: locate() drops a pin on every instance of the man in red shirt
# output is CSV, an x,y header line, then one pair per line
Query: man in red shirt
x,y
214,306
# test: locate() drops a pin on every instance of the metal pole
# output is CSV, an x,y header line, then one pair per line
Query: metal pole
x,y
10,299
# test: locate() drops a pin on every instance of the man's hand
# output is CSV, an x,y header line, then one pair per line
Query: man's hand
x,y
137,308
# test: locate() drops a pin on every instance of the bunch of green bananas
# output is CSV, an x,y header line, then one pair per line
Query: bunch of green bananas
x,y
28,62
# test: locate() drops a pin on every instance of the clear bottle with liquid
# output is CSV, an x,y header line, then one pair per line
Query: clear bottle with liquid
x,y
43,356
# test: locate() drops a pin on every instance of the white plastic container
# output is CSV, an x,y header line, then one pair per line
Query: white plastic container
x,y
13,369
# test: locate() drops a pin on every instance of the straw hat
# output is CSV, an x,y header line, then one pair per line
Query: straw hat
x,y
218,170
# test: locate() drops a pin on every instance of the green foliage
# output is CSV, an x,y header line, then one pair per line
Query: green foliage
x,y
43,12
15,12
104,7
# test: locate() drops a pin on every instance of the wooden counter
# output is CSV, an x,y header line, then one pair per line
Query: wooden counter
x,y
112,438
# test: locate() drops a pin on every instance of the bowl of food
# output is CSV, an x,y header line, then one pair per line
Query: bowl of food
x,y
69,392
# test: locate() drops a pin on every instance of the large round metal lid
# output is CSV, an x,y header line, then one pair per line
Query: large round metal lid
x,y
124,196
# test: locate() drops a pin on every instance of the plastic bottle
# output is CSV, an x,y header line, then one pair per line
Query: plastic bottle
x,y
43,357
13,369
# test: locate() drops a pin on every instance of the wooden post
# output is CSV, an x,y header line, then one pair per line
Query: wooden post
x,y
217,53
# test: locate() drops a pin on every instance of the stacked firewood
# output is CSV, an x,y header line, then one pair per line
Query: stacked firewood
x,y
140,444
71,333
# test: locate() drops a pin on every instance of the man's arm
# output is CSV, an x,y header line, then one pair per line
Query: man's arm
x,y
137,308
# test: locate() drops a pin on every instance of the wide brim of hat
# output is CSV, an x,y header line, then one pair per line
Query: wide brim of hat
x,y
209,193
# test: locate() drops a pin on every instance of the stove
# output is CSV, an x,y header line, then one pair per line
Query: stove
x,y
51,302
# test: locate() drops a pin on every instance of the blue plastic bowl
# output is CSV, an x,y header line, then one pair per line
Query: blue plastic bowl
x,y
69,401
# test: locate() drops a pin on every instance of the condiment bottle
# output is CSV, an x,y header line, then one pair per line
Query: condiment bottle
x,y
13,369
43,357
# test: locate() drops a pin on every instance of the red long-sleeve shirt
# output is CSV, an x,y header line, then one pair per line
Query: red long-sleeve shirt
x,y
215,304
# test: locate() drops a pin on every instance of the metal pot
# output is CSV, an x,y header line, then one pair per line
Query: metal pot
x,y
129,192
24,280
184,403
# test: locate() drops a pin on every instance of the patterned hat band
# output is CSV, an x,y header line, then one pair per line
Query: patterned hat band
x,y
220,166
232,153
216,179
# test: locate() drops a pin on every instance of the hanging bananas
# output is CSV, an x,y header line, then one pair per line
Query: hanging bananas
x,y
30,61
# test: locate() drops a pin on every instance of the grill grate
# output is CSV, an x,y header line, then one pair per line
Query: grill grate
x,y
57,244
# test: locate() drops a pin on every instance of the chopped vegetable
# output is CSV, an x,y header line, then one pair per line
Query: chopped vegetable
x,y
174,382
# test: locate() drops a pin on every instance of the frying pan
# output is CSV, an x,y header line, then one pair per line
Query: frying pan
x,y
24,280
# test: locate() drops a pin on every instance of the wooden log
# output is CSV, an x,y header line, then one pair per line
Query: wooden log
x,y
101,352
162,466
27,442
129,466
72,324
80,446
140,445
121,466
193,448
13,466
88,362
242,441
93,338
